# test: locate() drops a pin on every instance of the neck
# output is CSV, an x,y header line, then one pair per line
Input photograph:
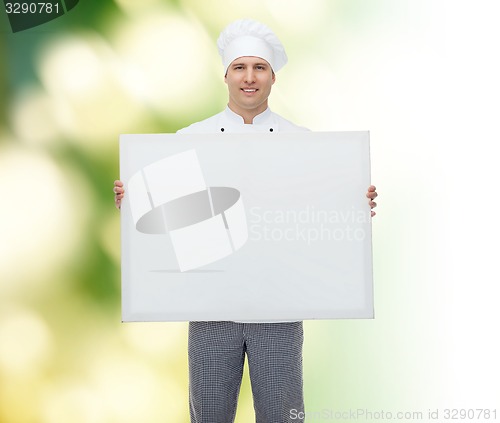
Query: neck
x,y
247,114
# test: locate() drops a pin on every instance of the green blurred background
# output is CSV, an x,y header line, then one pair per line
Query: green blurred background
x,y
421,75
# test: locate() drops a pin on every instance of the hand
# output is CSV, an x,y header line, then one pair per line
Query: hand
x,y
372,194
119,193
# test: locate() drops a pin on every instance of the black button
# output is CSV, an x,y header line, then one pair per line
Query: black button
x,y
222,129
271,129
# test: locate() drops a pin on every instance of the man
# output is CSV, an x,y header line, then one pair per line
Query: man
x,y
251,54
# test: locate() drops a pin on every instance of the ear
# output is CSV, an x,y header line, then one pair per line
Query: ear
x,y
274,77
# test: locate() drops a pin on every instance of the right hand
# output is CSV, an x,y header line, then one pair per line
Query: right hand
x,y
119,193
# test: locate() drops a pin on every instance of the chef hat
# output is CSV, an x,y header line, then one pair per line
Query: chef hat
x,y
246,37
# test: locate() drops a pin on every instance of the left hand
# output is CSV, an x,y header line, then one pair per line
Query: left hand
x,y
372,194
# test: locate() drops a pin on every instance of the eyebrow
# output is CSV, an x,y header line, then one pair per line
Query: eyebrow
x,y
248,64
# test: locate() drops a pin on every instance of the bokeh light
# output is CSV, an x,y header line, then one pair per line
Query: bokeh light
x,y
26,342
35,106
40,226
169,60
80,72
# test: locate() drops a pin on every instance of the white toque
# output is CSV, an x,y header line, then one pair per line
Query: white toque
x,y
246,37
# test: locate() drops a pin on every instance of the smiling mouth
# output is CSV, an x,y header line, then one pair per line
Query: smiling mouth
x,y
249,90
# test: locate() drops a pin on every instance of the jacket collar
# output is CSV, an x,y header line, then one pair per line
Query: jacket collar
x,y
262,118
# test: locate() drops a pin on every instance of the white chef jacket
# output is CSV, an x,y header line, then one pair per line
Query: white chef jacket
x,y
228,121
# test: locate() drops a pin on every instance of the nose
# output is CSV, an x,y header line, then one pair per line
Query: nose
x,y
249,76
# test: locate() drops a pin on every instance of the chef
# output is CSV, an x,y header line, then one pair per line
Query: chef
x,y
251,55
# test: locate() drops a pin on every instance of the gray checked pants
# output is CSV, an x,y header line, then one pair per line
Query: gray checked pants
x,y
216,357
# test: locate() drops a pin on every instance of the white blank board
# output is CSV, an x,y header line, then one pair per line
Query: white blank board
x,y
246,227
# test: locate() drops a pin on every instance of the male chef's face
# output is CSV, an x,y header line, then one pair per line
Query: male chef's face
x,y
249,80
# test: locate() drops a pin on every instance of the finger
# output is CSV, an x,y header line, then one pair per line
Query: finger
x,y
372,204
118,183
373,213
371,195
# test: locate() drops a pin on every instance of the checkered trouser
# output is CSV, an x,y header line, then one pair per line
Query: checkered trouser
x,y
216,357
